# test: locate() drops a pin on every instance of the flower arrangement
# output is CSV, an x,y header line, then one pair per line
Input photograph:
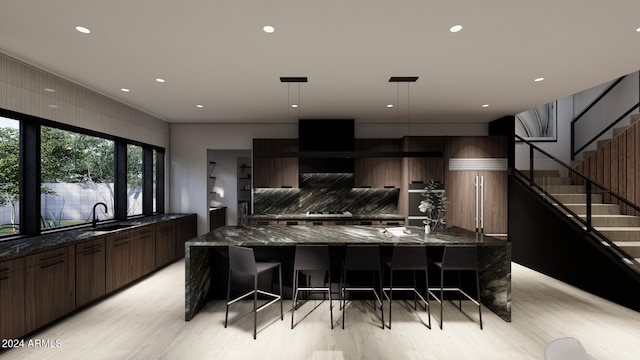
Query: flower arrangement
x,y
434,205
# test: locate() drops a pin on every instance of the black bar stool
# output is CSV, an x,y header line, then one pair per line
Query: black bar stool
x,y
458,258
362,257
242,260
311,258
409,258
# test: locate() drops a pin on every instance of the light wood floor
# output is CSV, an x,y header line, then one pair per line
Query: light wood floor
x,y
146,321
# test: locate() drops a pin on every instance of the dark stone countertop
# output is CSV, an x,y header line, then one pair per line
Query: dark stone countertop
x,y
325,217
289,235
23,246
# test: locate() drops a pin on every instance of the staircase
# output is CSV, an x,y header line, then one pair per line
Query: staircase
x,y
622,230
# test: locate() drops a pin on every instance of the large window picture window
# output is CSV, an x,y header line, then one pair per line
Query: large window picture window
x,y
77,171
9,176
134,180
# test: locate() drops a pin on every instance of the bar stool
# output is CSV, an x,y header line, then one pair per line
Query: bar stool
x,y
242,260
458,258
362,257
311,258
408,258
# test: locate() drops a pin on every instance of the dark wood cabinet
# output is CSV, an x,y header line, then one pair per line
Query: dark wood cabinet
x,y
12,298
90,271
165,243
377,172
144,250
50,286
271,170
217,218
185,231
119,261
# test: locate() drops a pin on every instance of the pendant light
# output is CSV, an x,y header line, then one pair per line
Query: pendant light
x,y
289,80
408,80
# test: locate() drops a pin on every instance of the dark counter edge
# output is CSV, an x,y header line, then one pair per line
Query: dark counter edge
x,y
24,246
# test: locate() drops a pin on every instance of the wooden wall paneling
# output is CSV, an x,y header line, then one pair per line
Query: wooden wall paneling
x,y
630,167
12,298
575,179
600,165
615,147
622,169
636,175
606,173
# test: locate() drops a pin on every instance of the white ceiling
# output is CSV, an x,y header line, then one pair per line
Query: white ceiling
x,y
215,53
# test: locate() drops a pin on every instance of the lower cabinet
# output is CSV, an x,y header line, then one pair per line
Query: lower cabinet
x,y
38,289
12,322
185,230
90,271
50,286
119,264
165,243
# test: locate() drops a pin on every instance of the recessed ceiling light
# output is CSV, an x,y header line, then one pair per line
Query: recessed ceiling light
x,y
49,90
638,29
268,29
455,28
389,105
53,106
294,105
125,90
160,80
199,106
485,105
538,79
83,29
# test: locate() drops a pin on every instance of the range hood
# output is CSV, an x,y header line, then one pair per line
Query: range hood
x,y
324,145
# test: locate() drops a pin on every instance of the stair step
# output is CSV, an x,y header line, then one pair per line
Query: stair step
x,y
596,209
537,173
601,143
565,189
618,131
613,220
552,180
577,198
621,233
630,247
587,153
633,118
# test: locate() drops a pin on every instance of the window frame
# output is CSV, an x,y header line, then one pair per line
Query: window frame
x,y
30,173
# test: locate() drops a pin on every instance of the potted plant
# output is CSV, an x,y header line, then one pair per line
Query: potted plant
x,y
434,205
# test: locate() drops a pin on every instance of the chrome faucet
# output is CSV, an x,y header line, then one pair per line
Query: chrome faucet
x,y
94,220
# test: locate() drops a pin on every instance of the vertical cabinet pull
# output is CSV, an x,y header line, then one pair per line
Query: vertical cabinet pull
x,y
479,208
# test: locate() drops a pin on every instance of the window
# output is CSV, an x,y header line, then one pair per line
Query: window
x,y
9,176
62,171
77,171
134,180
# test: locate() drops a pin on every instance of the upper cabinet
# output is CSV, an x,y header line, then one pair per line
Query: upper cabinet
x,y
272,168
377,172
424,168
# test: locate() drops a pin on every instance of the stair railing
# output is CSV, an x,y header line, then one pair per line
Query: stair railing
x,y
575,151
592,187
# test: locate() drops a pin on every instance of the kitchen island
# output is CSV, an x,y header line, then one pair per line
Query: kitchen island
x,y
203,255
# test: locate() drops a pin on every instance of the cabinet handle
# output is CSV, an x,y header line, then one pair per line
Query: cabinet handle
x,y
4,278
52,257
90,247
91,252
50,265
120,244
